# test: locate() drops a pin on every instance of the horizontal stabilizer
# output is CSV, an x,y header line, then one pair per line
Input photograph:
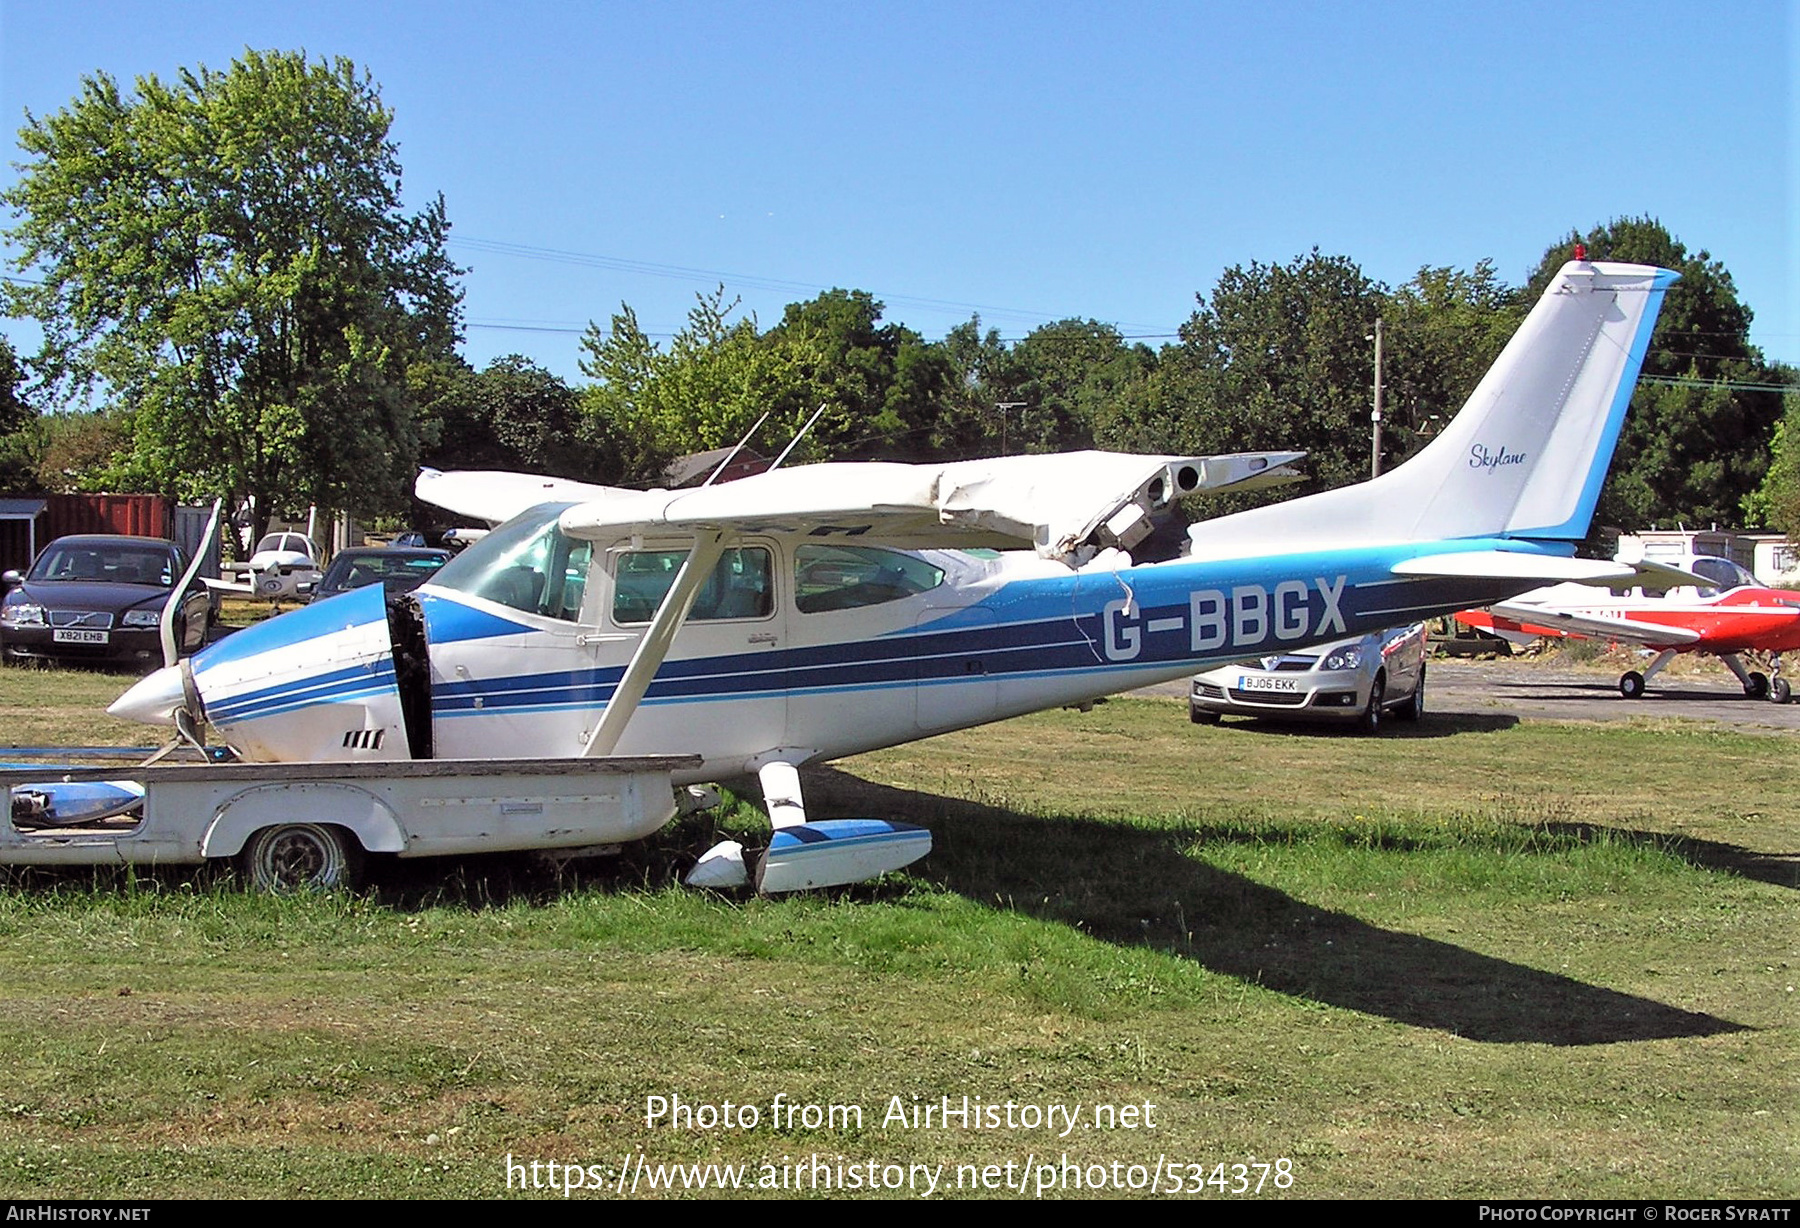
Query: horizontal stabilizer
x,y
1546,569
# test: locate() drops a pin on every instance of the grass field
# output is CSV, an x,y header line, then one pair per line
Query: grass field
x,y
1482,958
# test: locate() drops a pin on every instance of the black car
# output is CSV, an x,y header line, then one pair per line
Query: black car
x,y
399,570
101,598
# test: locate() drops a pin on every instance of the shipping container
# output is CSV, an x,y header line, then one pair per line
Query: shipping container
x,y
61,515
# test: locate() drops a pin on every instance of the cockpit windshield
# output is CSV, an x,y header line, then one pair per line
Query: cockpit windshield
x,y
527,564
1724,574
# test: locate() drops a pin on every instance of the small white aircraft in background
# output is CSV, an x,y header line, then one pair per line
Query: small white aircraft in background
x,y
282,566
811,613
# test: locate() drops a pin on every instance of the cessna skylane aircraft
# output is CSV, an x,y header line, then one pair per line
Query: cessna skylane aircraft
x,y
815,612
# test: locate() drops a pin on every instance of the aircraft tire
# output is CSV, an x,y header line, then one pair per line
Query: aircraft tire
x,y
301,857
1631,685
1370,722
1758,686
1779,691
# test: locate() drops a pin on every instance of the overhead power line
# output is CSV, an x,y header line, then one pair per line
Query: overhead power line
x,y
749,281
1736,385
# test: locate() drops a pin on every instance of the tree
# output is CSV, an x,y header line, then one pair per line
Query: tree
x,y
17,418
982,377
1442,331
226,259
1276,358
718,376
1070,376
889,382
1697,438
1776,503
515,415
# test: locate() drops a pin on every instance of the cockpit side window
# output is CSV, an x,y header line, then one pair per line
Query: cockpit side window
x,y
740,585
527,564
850,577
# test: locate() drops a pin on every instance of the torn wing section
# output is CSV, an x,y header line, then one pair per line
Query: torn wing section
x,y
496,496
1065,506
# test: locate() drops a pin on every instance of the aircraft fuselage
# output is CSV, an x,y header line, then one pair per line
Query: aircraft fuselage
x,y
818,662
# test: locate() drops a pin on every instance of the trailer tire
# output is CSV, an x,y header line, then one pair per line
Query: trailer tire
x,y
302,857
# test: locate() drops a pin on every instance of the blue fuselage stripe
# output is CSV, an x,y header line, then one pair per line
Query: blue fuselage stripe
x,y
1081,625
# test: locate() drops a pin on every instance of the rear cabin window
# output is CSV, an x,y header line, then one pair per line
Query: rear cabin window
x,y
739,587
851,577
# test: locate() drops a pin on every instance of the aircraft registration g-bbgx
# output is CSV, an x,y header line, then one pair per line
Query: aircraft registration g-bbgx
x,y
815,612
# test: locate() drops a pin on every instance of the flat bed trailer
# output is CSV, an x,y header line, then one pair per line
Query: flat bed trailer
x,y
296,825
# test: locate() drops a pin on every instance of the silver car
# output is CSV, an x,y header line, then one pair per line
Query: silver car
x,y
1353,681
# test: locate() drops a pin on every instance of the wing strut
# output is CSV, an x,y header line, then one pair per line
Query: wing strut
x,y
709,547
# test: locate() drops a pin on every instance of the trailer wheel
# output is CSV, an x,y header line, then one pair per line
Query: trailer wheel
x,y
302,857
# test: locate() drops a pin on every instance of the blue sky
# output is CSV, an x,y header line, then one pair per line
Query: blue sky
x,y
1026,161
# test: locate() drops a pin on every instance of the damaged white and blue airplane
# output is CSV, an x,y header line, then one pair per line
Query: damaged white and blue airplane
x,y
815,612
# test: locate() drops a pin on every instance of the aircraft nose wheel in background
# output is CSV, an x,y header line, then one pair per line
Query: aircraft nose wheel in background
x,y
1631,685
1779,691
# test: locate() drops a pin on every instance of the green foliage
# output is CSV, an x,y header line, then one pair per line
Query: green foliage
x,y
225,258
1276,358
1070,375
86,452
1443,330
889,383
983,375
515,415
17,418
1776,503
649,406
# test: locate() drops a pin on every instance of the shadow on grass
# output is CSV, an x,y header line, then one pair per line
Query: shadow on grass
x,y
1663,689
1776,869
1432,725
1127,885
1135,886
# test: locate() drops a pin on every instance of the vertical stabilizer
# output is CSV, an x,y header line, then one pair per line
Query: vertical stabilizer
x,y
1525,456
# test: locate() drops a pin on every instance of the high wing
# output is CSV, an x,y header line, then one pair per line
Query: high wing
x,y
1541,620
494,495
1064,506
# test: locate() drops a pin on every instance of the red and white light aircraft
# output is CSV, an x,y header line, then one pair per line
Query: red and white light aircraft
x,y
1728,613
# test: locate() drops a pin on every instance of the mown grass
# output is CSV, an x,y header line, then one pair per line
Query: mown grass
x,y
1485,959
